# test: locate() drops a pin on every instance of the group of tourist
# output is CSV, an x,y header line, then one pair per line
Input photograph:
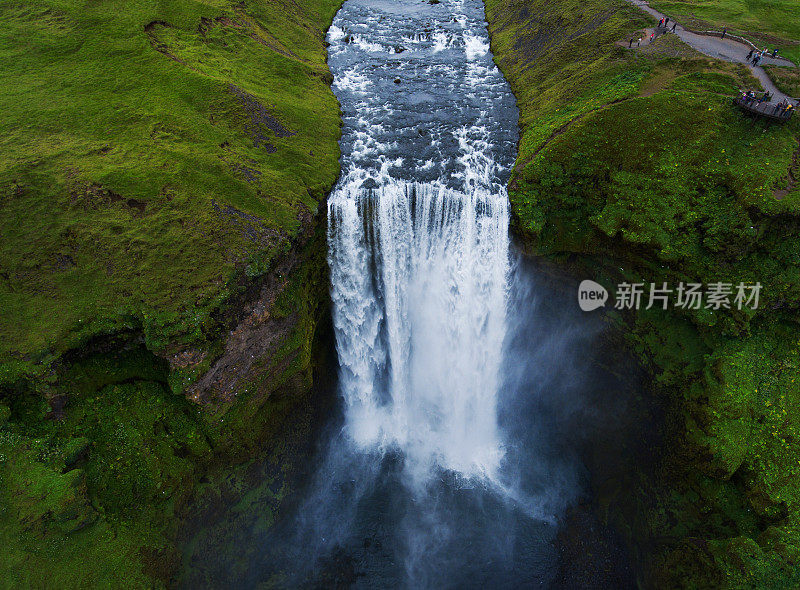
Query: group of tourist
x,y
782,109
750,98
755,56
664,23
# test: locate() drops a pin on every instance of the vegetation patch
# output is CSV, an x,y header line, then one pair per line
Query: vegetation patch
x,y
634,166
88,497
161,165
786,79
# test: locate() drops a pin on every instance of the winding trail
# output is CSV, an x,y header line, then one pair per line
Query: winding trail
x,y
724,49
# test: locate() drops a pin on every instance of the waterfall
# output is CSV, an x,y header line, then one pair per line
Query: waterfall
x,y
418,239
419,274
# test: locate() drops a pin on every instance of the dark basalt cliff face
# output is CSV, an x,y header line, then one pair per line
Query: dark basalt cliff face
x,y
633,166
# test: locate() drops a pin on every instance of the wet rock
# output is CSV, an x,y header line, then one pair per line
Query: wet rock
x,y
592,554
259,354
369,184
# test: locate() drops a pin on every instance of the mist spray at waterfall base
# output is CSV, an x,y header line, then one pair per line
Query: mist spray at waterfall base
x,y
372,517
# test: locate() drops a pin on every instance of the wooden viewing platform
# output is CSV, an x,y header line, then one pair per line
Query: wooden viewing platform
x,y
770,110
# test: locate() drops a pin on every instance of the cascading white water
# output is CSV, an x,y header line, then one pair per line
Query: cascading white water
x,y
419,277
420,268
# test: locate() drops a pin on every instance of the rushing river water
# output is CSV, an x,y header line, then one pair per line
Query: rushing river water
x,y
452,459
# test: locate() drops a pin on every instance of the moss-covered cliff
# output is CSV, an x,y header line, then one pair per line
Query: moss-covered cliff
x,y
633,166
163,283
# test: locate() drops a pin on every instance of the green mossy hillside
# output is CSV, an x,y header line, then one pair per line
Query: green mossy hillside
x,y
89,494
162,166
104,463
150,154
635,166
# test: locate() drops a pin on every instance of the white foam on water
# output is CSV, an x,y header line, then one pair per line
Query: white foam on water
x,y
335,33
475,46
352,81
365,45
441,41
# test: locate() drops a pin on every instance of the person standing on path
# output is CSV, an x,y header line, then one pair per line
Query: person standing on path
x,y
775,53
724,32
750,55
673,26
631,43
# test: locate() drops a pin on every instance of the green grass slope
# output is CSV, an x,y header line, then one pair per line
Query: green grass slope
x,y
150,152
634,166
786,79
161,168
